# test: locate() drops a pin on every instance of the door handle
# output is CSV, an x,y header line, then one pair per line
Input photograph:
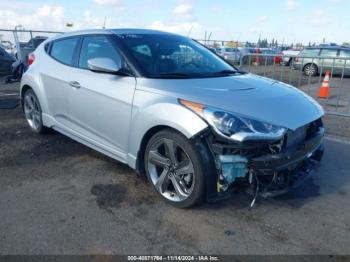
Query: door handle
x,y
75,84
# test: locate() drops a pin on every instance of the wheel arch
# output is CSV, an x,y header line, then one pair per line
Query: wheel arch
x,y
201,147
140,167
23,91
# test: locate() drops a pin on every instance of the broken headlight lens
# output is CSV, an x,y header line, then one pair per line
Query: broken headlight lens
x,y
237,127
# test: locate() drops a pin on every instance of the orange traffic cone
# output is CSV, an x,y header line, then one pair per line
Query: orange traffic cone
x,y
324,89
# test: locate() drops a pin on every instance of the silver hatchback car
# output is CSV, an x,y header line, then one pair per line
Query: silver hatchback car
x,y
175,111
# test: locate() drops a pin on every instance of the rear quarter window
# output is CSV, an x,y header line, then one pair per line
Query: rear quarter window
x,y
63,50
329,52
344,53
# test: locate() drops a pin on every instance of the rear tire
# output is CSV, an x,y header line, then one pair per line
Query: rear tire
x,y
310,69
33,113
174,168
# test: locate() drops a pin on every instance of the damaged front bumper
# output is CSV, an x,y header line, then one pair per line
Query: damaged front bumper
x,y
264,174
289,169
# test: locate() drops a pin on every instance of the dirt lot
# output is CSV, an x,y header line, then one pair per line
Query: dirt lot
x,y
60,197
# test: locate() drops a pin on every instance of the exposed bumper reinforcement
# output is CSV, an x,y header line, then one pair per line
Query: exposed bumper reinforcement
x,y
311,149
298,165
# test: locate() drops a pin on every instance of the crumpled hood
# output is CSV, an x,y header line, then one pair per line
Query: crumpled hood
x,y
247,94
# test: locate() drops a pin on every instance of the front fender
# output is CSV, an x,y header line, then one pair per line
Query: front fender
x,y
151,110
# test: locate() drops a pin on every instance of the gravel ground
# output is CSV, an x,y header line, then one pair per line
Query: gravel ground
x,y
60,197
337,126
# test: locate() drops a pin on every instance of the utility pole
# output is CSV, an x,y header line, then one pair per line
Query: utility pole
x,y
239,37
189,31
209,37
104,23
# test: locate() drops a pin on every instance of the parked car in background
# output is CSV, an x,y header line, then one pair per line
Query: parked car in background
x,y
323,58
6,61
36,41
288,56
29,47
245,52
229,54
7,45
20,45
278,59
195,126
22,60
272,57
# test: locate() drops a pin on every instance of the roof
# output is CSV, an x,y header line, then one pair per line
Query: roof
x,y
137,31
328,47
111,31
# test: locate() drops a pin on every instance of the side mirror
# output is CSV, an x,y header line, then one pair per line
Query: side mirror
x,y
103,65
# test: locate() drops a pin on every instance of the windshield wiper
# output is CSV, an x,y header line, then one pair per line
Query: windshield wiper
x,y
171,75
231,72
228,72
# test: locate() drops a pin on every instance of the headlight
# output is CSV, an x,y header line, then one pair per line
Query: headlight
x,y
235,126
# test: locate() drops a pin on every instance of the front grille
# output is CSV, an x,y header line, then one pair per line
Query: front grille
x,y
296,137
313,128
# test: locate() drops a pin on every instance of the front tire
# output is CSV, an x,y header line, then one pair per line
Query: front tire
x,y
174,168
33,113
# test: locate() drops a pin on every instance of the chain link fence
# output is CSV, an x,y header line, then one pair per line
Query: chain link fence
x,y
307,74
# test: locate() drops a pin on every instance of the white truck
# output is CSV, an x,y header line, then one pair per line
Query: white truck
x,y
289,55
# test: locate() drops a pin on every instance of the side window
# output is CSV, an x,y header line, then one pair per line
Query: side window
x,y
97,47
329,52
344,53
143,49
310,52
63,50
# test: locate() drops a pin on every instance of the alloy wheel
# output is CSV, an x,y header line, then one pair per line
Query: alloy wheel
x,y
310,70
171,170
32,111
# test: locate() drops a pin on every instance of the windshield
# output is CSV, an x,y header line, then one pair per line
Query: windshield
x,y
171,56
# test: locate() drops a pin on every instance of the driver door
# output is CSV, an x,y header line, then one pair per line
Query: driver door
x,y
100,103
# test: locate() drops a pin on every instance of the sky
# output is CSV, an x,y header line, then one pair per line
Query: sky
x,y
288,21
